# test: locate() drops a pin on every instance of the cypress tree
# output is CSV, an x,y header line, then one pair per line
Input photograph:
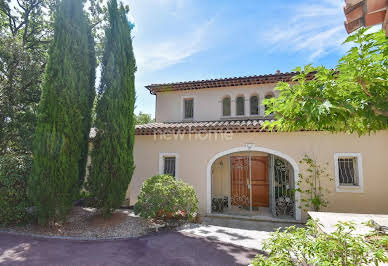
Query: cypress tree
x,y
112,159
88,106
63,115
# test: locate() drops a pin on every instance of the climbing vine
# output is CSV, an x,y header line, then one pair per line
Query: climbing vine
x,y
313,194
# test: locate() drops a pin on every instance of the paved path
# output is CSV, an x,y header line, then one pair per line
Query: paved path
x,y
165,248
327,221
244,233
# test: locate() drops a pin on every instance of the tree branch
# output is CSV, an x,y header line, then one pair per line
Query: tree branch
x,y
378,112
363,85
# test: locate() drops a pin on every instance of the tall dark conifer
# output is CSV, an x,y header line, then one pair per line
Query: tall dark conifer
x,y
87,108
64,114
112,159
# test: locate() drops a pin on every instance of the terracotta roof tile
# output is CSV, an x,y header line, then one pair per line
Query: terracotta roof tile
x,y
246,125
226,82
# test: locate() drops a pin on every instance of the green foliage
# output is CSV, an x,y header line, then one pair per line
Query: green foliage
x,y
307,246
20,78
351,98
24,37
163,196
143,118
14,172
64,115
309,185
383,241
112,157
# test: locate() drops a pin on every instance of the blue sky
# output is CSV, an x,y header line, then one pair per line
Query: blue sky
x,y
181,40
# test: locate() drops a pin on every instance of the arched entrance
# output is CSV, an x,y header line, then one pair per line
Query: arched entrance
x,y
256,194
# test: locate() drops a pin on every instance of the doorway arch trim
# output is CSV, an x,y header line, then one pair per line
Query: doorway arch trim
x,y
252,147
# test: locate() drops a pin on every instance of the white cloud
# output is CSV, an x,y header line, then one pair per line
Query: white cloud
x,y
164,53
317,29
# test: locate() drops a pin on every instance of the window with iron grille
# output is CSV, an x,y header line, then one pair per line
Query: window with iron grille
x,y
169,166
240,109
254,105
226,106
347,171
189,108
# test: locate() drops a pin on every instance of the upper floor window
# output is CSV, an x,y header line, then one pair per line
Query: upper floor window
x,y
254,105
240,108
226,106
188,108
269,96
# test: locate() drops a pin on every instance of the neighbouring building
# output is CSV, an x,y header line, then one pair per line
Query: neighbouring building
x,y
209,134
365,13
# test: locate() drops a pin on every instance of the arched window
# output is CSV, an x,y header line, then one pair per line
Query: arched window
x,y
240,109
269,96
226,106
254,105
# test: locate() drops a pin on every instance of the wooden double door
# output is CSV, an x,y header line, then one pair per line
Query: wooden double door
x,y
241,172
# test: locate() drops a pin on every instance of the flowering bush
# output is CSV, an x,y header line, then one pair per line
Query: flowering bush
x,y
163,196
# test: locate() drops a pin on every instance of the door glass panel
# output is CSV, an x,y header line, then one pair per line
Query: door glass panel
x,y
283,188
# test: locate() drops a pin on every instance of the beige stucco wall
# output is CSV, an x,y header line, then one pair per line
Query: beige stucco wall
x,y
207,102
194,155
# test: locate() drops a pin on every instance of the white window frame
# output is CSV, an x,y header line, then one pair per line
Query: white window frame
x,y
349,188
162,155
194,97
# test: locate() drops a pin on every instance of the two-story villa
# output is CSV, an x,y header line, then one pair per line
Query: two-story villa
x,y
209,134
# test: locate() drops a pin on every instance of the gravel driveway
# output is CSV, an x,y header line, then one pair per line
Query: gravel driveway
x,y
164,248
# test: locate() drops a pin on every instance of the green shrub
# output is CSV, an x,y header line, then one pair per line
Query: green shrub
x,y
307,246
14,172
163,196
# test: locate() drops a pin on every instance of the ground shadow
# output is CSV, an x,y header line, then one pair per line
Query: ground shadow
x,y
168,248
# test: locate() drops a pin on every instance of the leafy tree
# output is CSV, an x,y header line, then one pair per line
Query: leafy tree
x,y
25,31
112,159
20,78
64,114
143,118
351,98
